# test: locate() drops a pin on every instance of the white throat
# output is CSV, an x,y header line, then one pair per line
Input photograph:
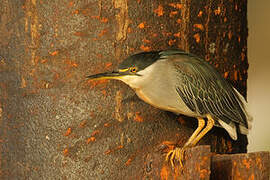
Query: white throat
x,y
136,82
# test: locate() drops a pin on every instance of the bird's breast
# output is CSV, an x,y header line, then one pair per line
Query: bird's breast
x,y
146,97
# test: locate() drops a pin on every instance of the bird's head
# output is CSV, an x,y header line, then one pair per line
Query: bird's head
x,y
132,70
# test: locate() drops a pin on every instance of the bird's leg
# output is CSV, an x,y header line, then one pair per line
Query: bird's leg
x,y
178,153
208,127
201,124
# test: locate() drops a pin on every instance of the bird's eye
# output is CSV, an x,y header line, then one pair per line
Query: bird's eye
x,y
133,69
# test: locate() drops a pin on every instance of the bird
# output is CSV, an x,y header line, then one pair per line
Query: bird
x,y
181,82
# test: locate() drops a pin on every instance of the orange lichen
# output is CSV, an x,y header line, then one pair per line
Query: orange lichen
x,y
65,152
95,83
137,117
104,31
181,120
217,11
146,40
229,145
44,61
159,11
226,74
95,132
246,163
128,162
104,20
176,5
141,25
113,150
91,139
197,37
236,7
230,35
70,4
76,12
259,163
179,21
145,48
68,132
200,14
83,123
169,144
108,151
164,173
203,173
80,34
54,53
23,83
155,35
199,26
106,125
173,13
104,92
108,65
56,76
71,63
243,56
177,34
129,30
171,42
166,33
235,75
119,147
93,17
252,177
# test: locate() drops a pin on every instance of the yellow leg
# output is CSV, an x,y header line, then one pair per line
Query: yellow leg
x,y
178,153
208,127
201,124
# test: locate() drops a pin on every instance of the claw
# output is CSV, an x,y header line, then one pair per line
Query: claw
x,y
176,154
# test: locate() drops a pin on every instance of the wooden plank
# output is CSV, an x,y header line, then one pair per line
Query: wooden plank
x,y
241,166
196,165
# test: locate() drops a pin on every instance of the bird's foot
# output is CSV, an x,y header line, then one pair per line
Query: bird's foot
x,y
177,154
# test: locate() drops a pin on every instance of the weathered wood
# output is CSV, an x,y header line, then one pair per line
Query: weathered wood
x,y
250,166
196,165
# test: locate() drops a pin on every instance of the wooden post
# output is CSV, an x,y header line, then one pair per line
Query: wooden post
x,y
56,125
196,165
241,166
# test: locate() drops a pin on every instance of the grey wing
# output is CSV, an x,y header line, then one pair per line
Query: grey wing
x,y
205,91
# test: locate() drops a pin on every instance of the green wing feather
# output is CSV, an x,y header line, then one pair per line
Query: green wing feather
x,y
204,90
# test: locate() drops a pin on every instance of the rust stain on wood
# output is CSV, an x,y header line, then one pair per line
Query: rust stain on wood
x,y
159,11
164,173
83,124
173,13
199,26
141,25
137,117
176,5
90,139
109,151
145,48
65,152
197,37
68,132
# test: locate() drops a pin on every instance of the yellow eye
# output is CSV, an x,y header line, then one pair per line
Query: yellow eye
x,y
133,69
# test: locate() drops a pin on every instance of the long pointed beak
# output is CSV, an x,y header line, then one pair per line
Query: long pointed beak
x,y
106,75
